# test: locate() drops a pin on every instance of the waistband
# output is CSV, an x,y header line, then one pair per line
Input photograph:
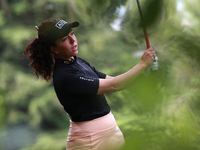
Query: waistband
x,y
93,126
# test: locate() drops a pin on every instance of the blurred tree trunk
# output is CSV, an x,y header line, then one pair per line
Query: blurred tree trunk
x,y
4,6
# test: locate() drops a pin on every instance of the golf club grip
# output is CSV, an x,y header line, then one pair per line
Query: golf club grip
x,y
146,38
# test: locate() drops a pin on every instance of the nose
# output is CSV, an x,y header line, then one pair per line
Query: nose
x,y
72,39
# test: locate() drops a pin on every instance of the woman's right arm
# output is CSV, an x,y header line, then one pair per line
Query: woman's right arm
x,y
113,84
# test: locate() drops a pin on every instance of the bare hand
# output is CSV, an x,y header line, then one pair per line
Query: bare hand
x,y
148,57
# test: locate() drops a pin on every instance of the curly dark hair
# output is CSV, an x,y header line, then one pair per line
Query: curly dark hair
x,y
39,51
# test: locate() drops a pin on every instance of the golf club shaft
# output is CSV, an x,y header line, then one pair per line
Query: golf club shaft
x,y
144,28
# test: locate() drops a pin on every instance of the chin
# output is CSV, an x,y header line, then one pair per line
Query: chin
x,y
76,53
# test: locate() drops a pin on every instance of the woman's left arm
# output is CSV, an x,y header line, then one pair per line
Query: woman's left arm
x,y
108,77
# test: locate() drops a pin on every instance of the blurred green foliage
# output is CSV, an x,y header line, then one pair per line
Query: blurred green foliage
x,y
159,112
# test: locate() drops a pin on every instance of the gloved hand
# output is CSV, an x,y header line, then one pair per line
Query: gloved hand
x,y
154,66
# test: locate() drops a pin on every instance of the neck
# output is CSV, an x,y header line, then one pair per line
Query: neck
x,y
57,57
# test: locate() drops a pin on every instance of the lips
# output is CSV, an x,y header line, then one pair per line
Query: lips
x,y
75,48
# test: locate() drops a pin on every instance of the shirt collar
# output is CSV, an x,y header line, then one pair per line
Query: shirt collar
x,y
62,61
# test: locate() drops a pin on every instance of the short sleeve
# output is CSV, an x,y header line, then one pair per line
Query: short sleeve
x,y
100,74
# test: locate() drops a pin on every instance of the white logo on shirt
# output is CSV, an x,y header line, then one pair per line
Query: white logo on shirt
x,y
60,24
82,78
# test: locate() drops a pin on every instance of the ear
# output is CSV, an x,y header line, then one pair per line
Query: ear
x,y
53,49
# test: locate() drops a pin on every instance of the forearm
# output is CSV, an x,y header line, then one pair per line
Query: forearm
x,y
113,84
122,80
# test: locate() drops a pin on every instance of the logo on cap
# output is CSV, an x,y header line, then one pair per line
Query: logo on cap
x,y
60,24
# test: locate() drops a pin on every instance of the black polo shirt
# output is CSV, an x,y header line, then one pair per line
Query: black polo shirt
x,y
76,84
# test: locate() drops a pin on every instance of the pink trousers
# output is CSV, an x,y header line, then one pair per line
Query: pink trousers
x,y
98,134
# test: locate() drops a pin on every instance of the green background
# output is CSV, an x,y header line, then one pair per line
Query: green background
x,y
159,112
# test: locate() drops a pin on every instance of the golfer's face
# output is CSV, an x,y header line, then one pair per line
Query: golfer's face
x,y
67,47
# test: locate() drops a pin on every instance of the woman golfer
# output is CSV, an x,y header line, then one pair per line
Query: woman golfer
x,y
80,88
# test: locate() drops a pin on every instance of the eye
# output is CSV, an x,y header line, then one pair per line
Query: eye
x,y
72,33
65,38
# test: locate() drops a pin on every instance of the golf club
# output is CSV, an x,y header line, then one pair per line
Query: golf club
x,y
143,25
154,66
